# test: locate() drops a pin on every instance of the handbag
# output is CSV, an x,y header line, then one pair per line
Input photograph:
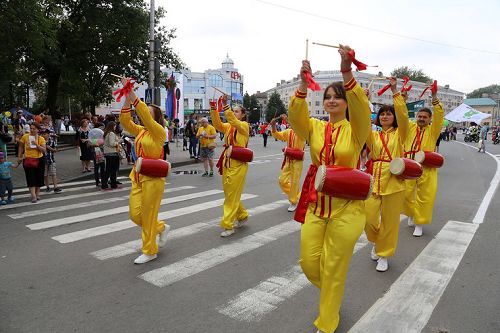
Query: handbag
x,y
31,163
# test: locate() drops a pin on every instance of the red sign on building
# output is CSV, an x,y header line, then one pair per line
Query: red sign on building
x,y
235,76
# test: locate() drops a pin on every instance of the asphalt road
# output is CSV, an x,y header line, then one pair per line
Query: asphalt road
x,y
58,273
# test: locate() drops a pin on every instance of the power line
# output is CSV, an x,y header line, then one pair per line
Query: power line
x,y
372,29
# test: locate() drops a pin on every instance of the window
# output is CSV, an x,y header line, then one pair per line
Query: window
x,y
198,103
316,103
186,103
216,80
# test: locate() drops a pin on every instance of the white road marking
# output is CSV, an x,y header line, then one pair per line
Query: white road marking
x,y
410,301
19,191
113,211
253,304
485,203
259,162
190,266
135,245
43,194
86,204
113,227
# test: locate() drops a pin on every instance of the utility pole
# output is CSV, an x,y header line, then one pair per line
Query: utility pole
x,y
151,44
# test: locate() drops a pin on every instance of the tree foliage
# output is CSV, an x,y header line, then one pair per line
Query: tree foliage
x,y
72,46
414,74
275,107
253,108
478,93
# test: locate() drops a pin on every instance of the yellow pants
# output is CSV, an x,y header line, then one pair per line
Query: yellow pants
x,y
420,196
289,180
326,247
144,204
382,221
233,182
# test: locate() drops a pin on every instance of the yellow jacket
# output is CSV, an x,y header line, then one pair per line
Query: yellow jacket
x,y
384,181
297,141
428,135
149,139
350,141
209,130
241,129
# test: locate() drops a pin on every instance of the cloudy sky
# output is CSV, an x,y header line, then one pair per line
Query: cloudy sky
x,y
266,38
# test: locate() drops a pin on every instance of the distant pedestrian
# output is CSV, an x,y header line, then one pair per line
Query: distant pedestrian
x,y
85,148
50,162
207,134
111,147
6,180
66,123
190,133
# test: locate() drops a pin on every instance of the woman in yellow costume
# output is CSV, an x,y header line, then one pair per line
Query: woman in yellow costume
x,y
386,201
291,169
331,225
236,132
147,191
421,193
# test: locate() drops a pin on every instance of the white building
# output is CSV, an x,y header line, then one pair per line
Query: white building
x,y
450,98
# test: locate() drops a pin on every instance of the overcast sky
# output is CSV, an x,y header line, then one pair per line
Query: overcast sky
x,y
267,42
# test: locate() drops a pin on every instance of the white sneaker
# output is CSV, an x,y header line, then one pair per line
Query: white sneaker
x,y
239,224
292,207
418,231
163,236
382,264
144,258
374,255
411,223
227,233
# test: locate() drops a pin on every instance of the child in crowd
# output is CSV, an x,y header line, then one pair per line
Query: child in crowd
x,y
5,180
50,163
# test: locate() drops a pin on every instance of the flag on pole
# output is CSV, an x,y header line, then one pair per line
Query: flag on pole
x,y
465,112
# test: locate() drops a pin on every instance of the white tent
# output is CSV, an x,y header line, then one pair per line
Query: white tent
x,y
465,112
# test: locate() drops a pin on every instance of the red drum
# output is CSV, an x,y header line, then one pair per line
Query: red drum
x,y
152,167
343,182
294,154
241,154
429,159
405,168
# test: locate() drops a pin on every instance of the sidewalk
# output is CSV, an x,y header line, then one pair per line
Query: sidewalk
x,y
69,167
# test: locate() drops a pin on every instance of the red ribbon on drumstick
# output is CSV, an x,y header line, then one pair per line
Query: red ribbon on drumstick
x,y
405,88
125,90
433,87
311,84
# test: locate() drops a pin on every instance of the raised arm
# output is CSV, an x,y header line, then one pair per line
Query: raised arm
x,y
126,118
278,135
437,116
298,112
241,126
401,111
156,130
358,104
216,121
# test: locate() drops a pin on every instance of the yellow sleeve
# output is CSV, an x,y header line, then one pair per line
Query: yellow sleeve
x,y
359,111
211,130
156,130
298,115
370,141
127,123
241,126
283,135
437,118
401,116
217,122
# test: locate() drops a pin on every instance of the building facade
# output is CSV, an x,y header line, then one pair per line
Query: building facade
x,y
450,98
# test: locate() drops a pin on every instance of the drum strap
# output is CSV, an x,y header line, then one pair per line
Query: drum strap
x,y
417,142
291,137
384,144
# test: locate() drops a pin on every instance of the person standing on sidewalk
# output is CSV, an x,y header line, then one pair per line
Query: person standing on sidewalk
x,y
6,180
50,162
147,191
207,134
111,147
190,132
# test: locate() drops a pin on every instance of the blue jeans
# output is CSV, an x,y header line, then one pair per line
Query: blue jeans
x,y
193,145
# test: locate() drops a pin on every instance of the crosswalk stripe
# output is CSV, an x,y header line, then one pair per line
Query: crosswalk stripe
x,y
253,304
61,197
410,301
113,211
19,191
72,189
118,226
187,267
135,245
86,204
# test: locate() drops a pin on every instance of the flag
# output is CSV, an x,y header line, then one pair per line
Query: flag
x,y
465,112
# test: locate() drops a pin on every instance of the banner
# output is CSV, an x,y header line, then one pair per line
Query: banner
x,y
413,107
465,112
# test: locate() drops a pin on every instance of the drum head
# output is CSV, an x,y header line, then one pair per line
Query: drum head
x,y
397,166
169,168
420,157
138,164
320,178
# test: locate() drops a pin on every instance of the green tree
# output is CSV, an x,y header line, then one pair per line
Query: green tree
x,y
414,74
491,89
275,107
252,106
